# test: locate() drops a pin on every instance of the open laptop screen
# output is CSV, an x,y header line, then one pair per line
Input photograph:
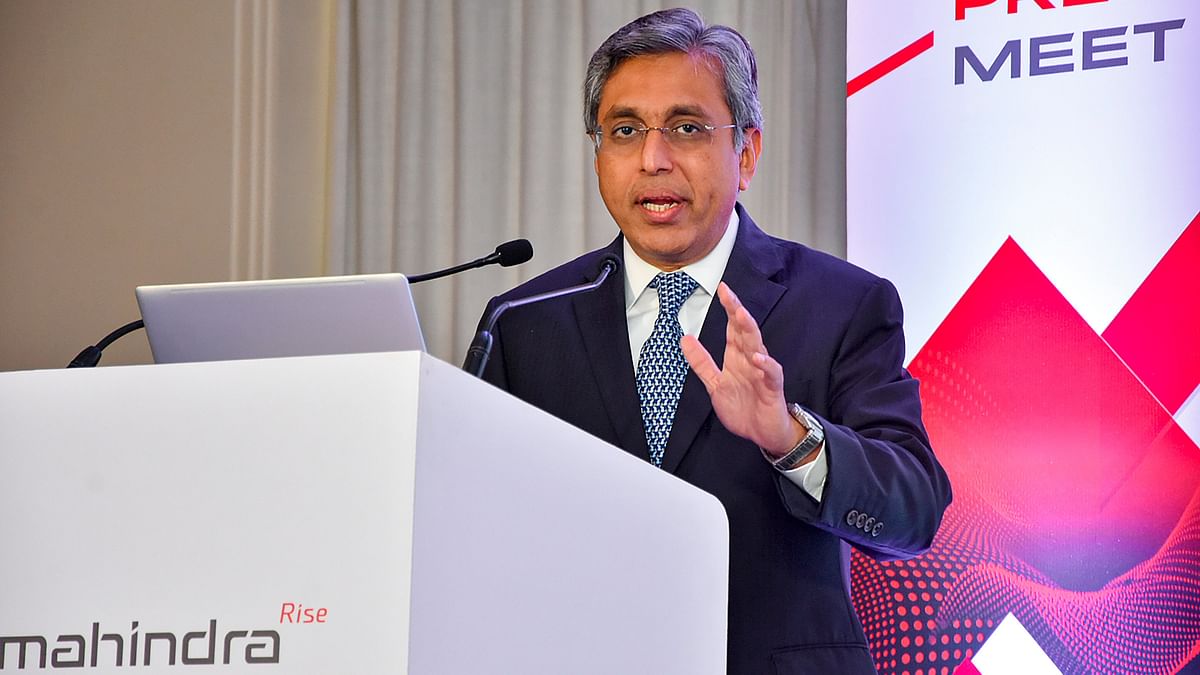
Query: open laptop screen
x,y
280,317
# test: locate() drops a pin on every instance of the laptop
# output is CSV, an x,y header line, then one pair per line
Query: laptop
x,y
280,317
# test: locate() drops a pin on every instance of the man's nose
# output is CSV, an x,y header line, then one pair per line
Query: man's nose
x,y
656,151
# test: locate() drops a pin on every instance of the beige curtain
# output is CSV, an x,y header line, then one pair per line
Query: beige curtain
x,y
457,125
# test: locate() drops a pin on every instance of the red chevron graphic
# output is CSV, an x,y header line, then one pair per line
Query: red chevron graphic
x,y
1076,504
1158,330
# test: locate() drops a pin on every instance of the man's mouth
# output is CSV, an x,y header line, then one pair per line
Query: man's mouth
x,y
659,204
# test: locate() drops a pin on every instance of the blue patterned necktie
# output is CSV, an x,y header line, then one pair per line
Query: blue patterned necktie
x,y
661,367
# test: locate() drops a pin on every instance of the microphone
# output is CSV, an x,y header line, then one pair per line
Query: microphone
x,y
481,347
507,254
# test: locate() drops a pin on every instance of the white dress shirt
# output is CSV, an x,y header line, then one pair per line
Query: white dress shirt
x,y
641,309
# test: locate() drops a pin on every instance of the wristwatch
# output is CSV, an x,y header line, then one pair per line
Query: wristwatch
x,y
811,441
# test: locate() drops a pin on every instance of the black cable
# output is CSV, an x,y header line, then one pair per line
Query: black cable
x,y
90,356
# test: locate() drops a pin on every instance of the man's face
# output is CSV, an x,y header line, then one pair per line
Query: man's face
x,y
671,203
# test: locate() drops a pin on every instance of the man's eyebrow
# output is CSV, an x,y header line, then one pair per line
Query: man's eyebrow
x,y
683,110
618,113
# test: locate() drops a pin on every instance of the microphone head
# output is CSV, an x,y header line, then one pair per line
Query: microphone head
x,y
514,252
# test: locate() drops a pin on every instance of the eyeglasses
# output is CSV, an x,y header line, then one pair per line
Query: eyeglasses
x,y
684,136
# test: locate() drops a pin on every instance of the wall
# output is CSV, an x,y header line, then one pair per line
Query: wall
x,y
153,142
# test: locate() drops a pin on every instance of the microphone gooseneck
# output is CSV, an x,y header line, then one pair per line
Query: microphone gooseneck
x,y
481,347
507,254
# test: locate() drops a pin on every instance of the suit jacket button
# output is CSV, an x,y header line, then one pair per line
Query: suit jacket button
x,y
851,515
875,530
861,521
869,524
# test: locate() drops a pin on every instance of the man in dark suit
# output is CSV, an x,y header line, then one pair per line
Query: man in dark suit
x,y
796,412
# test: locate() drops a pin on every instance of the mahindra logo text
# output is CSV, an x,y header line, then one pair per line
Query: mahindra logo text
x,y
103,650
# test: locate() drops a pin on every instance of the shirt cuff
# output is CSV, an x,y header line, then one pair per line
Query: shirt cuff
x,y
811,476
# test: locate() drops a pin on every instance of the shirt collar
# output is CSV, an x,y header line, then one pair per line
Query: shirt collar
x,y
707,271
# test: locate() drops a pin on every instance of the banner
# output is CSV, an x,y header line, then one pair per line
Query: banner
x,y
1027,172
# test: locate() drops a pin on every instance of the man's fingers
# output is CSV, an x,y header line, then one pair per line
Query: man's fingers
x,y
742,329
772,371
701,362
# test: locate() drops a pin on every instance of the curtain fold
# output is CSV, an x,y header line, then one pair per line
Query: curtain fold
x,y
457,125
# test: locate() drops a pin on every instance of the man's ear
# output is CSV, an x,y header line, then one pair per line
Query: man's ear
x,y
751,151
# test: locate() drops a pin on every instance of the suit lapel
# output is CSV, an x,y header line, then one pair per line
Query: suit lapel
x,y
605,330
752,265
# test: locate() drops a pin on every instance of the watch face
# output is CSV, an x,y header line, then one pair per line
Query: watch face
x,y
814,425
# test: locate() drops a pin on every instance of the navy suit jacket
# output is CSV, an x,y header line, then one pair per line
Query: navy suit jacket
x,y
836,330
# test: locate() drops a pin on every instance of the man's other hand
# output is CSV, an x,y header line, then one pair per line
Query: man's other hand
x,y
747,393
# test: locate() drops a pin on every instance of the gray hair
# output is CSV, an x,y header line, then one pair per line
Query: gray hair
x,y
680,30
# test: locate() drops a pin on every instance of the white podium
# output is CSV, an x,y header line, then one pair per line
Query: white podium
x,y
371,513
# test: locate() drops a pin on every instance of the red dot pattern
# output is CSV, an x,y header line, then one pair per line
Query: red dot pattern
x,y
932,613
898,603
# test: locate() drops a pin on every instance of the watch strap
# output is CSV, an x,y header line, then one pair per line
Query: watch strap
x,y
811,441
